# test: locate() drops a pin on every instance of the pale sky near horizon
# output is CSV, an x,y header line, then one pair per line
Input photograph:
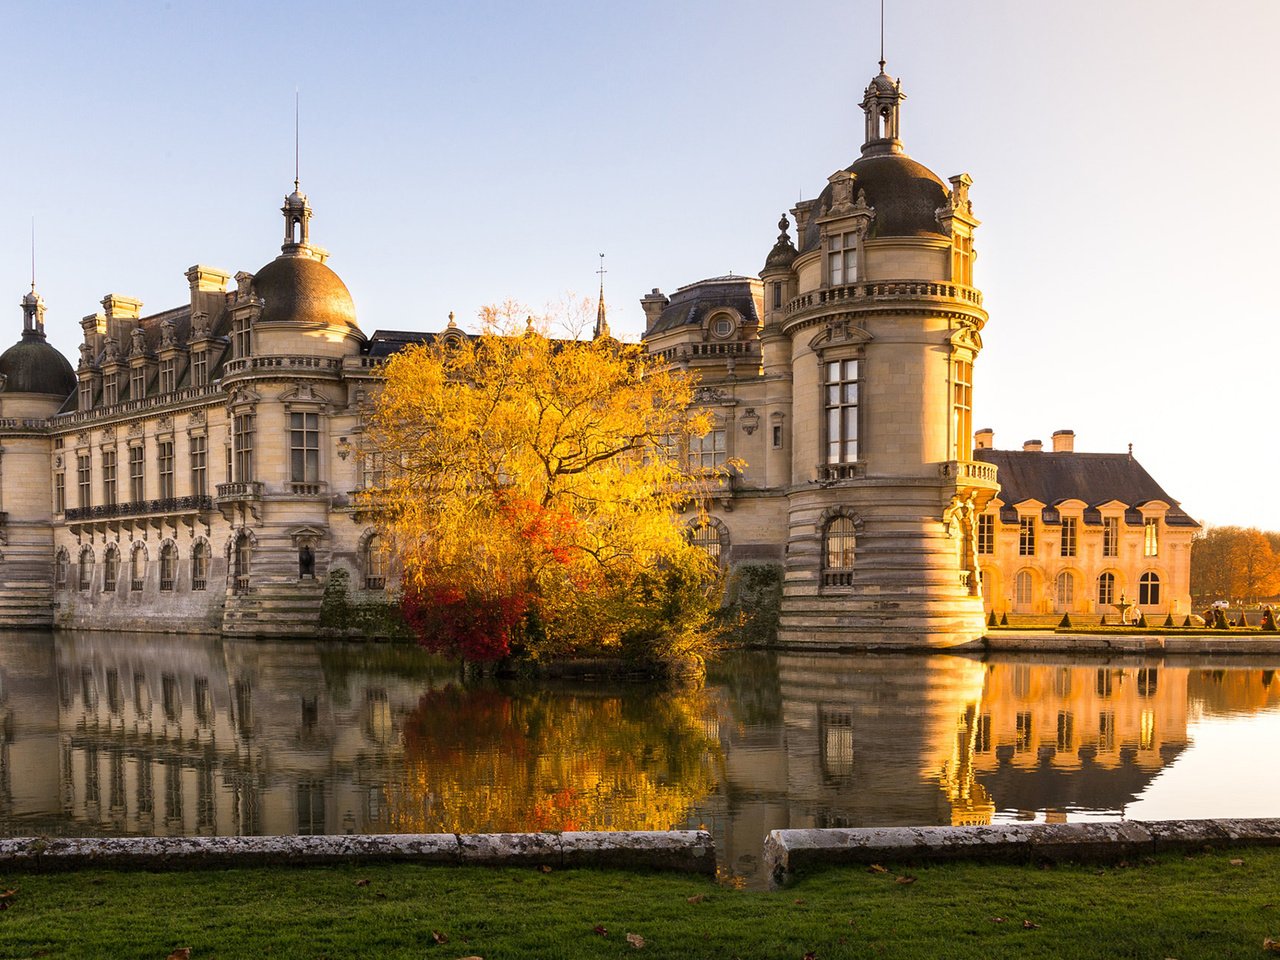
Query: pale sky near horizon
x,y
462,154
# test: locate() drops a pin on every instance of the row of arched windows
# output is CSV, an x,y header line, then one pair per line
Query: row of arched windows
x,y
1065,589
135,574
839,536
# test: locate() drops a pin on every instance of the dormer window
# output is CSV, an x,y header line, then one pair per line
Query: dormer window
x,y
168,375
722,327
111,389
137,383
842,258
1151,537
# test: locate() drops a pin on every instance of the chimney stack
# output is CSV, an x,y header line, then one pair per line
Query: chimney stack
x,y
653,305
1032,446
984,439
1064,441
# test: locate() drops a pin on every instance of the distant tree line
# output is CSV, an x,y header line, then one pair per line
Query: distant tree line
x,y
1235,563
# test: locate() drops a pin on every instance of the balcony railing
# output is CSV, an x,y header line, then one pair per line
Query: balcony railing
x,y
884,290
246,364
969,470
240,490
13,423
837,578
835,472
307,489
138,508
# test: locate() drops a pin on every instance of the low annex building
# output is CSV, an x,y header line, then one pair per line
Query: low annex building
x,y
1081,534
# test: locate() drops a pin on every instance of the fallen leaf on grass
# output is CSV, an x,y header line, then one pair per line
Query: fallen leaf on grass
x,y
471,958
904,880
9,894
438,937
182,953
362,882
800,901
996,919
545,868
1028,925
635,940
810,956
1271,945
1236,863
696,898
599,930
876,868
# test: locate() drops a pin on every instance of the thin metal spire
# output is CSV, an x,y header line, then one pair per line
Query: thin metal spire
x,y
33,253
882,36
296,117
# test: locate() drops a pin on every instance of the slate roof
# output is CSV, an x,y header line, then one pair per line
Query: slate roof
x,y
690,303
1095,478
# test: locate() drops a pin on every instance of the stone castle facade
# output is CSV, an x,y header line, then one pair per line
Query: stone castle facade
x,y
195,471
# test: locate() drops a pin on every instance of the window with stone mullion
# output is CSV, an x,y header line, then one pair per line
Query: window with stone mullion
x,y
841,405
304,447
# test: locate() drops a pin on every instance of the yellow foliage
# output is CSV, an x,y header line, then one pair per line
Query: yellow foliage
x,y
520,465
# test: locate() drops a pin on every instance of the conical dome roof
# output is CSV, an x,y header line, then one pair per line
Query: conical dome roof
x,y
33,366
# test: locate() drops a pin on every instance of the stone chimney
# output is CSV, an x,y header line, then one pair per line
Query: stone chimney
x,y
121,313
208,289
1032,446
1064,441
653,304
984,439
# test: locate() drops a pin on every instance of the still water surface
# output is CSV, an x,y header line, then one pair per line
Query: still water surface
x,y
109,734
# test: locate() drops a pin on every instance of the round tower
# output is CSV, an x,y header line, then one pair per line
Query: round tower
x,y
883,325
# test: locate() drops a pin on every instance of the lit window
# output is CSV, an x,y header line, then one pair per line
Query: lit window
x,y
842,411
1068,546
1111,537
962,411
962,260
838,553
1151,537
1106,589
304,447
986,533
1026,536
1149,589
137,466
842,258
708,451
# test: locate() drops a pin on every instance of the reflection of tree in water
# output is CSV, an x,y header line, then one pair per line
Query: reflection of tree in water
x,y
486,760
750,681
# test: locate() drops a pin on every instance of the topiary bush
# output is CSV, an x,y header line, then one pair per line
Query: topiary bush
x,y
1268,620
1065,622
1004,619
991,620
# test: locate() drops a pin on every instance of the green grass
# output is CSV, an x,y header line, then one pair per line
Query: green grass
x,y
1186,908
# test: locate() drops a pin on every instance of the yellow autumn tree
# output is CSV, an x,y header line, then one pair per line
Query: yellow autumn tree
x,y
531,494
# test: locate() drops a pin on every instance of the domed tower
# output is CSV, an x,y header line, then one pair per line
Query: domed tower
x,y
293,328
877,312
35,381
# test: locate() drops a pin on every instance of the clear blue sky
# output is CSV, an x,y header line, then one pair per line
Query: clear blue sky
x,y
1123,152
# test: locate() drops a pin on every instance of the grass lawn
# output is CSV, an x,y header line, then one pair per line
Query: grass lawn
x,y
1205,906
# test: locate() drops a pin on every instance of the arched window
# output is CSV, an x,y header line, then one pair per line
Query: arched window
x,y
138,567
839,542
375,564
240,564
1022,589
60,564
86,568
199,565
168,566
110,569
1106,589
1066,590
1149,590
709,537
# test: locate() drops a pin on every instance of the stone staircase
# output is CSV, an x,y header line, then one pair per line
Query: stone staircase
x,y
275,609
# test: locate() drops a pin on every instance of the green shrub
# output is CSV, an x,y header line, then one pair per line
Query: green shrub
x,y
1268,620
1065,622
1004,619
1142,621
753,604
991,620
1168,620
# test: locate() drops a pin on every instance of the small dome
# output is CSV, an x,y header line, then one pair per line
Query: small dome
x,y
303,290
904,194
784,252
32,366
883,84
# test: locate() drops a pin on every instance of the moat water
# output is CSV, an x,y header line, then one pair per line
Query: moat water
x,y
108,735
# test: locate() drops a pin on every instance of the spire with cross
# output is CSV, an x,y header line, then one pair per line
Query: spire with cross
x,y
602,325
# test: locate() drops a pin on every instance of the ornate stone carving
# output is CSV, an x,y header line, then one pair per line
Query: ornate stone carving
x,y
709,395
135,429
750,421
199,325
168,334
197,418
139,340
110,350
165,424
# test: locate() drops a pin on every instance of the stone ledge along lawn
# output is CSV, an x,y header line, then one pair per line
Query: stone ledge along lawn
x,y
1214,904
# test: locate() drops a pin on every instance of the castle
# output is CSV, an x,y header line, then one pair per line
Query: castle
x,y
195,470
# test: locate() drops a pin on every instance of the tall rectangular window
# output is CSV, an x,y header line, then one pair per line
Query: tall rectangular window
x,y
842,411
986,533
199,466
109,477
59,493
241,339
1111,536
84,478
842,258
165,462
110,389
86,394
304,447
1151,537
242,430
372,471
199,368
707,452
1068,547
1026,536
137,466
962,411
168,375
962,260
138,382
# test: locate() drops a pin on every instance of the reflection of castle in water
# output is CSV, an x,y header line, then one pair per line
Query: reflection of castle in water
x,y
135,736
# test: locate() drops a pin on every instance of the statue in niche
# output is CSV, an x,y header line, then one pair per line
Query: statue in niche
x,y
306,562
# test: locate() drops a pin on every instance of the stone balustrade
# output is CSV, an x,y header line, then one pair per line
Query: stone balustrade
x,y
275,364
969,470
240,490
884,290
138,508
